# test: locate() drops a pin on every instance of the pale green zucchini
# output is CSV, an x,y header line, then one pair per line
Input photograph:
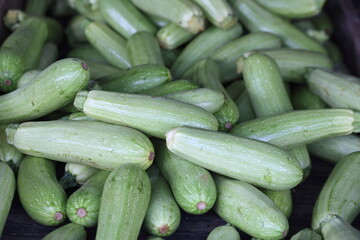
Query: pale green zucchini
x,y
53,88
40,194
84,7
297,128
83,205
99,70
7,189
49,54
193,186
169,56
258,19
303,98
8,153
27,77
235,89
70,231
153,116
79,116
135,79
334,53
154,238
203,46
282,199
308,27
170,87
306,234
75,30
96,144
337,228
341,192
172,36
250,210
87,52
245,108
38,7
158,21
183,12
124,17
227,232
163,215
227,55
110,44
124,202
76,174
252,161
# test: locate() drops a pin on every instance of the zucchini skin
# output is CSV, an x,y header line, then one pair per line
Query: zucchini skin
x,y
193,186
18,56
124,202
306,234
236,157
170,88
163,215
88,142
282,199
52,89
7,188
99,70
337,228
303,98
40,194
8,153
83,205
172,36
153,116
49,55
235,89
224,232
88,53
250,210
70,231
297,128
244,105
340,194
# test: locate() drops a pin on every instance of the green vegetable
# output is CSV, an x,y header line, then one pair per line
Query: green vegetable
x,y
87,53
303,98
306,234
8,153
224,232
70,231
76,174
7,188
170,87
172,36
337,228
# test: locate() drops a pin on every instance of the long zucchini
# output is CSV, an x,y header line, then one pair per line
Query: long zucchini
x,y
7,189
337,228
70,231
8,153
306,234
170,88
172,36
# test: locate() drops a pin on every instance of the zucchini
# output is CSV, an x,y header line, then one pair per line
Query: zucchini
x,y
75,30
27,77
84,7
170,87
256,162
49,54
258,19
337,228
143,48
7,188
40,194
303,98
8,153
124,202
96,144
183,12
308,27
203,46
110,44
250,210
245,108
60,81
83,205
323,22
135,79
169,56
76,174
334,53
306,234
193,186
154,238
158,21
99,70
87,53
340,194
227,55
18,56
38,7
297,128
152,116
124,17
235,89
227,232
163,215
79,116
282,199
70,231
172,36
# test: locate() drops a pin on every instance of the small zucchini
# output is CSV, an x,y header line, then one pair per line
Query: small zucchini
x,y
172,36
170,88
70,231
252,161
153,116
41,196
83,205
7,189
76,174
306,234
124,202
227,232
163,214
337,228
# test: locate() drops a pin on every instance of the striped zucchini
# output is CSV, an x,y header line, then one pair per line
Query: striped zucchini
x,y
170,88
135,79
340,194
337,228
306,234
193,186
75,30
124,17
83,205
153,116
76,174
70,231
18,56
96,144
84,7
282,199
163,214
227,232
258,19
7,189
158,21
87,53
172,36
124,202
8,153
297,128
303,98
250,210
99,70
252,161
52,89
40,194
37,7
79,116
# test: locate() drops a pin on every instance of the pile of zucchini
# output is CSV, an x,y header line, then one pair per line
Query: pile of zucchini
x,y
160,106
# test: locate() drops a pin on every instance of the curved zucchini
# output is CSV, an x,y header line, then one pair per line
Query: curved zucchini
x,y
96,144
170,87
163,214
124,202
172,36
40,194
252,161
70,231
8,153
52,89
247,208
193,187
7,189
76,174
227,232
341,192
337,228
306,234
153,116
83,205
